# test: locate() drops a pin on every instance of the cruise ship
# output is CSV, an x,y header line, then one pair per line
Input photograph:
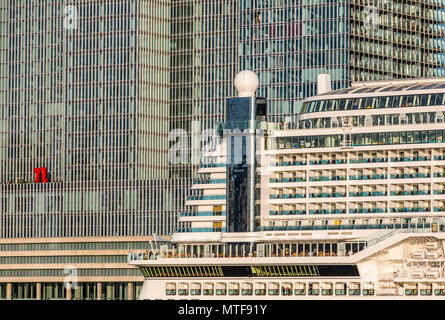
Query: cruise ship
x,y
346,203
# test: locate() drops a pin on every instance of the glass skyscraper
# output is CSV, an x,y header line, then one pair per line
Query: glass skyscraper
x,y
91,90
88,101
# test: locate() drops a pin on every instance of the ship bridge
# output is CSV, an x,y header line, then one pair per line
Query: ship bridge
x,y
377,103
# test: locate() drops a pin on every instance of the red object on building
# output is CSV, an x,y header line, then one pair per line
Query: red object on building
x,y
44,175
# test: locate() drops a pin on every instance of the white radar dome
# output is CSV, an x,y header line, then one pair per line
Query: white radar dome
x,y
246,82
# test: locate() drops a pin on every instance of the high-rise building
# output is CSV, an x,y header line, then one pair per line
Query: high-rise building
x,y
90,90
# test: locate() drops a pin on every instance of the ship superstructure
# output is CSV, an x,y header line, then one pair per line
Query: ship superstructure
x,y
347,203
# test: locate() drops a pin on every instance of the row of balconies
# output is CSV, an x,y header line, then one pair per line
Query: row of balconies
x,y
365,157
287,196
212,197
338,194
381,186
401,159
371,210
318,162
209,181
410,193
213,165
315,175
356,160
203,214
287,212
343,211
189,229
368,160
347,227
294,179
415,209
288,163
327,178
367,207
327,195
331,211
368,177
359,177
410,176
355,174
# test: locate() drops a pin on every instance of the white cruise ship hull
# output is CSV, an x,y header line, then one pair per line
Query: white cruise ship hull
x,y
407,265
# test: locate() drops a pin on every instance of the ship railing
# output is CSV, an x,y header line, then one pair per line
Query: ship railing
x,y
273,250
278,253
378,237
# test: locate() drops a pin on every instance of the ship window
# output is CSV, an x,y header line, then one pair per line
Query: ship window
x,y
260,289
328,105
355,104
208,289
246,288
389,102
195,289
340,104
234,288
433,100
409,101
403,101
183,289
425,99
286,288
312,106
326,288
300,288
217,210
415,101
383,102
314,289
368,103
273,289
170,289
221,289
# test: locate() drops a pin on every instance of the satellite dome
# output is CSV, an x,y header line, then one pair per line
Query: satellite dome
x,y
246,82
